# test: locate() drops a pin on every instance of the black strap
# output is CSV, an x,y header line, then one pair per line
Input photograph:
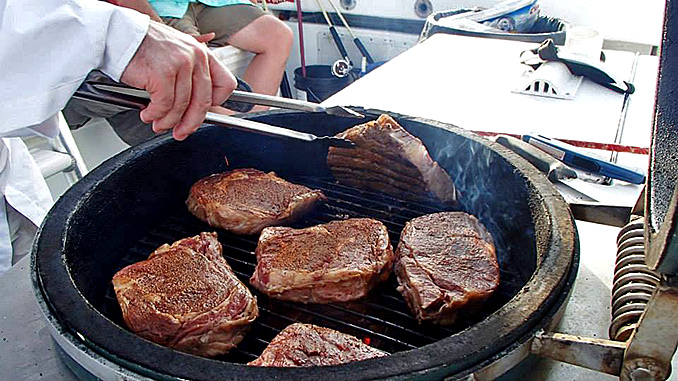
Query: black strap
x,y
548,51
240,106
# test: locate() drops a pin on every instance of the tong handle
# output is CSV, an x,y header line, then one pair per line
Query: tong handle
x,y
131,101
89,92
272,101
260,128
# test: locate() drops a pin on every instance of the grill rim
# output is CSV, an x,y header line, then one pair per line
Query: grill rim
x,y
65,303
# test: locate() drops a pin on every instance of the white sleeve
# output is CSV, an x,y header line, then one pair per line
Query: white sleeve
x,y
47,47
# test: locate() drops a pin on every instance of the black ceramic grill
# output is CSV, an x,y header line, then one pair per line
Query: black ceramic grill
x,y
123,210
381,320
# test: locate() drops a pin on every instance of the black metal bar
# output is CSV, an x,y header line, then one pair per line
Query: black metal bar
x,y
285,89
259,323
394,230
382,321
347,324
363,50
328,185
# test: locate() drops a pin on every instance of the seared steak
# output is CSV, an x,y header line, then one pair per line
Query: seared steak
x,y
388,159
247,200
185,296
446,265
333,262
309,345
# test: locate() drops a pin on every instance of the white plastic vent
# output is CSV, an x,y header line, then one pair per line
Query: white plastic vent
x,y
551,79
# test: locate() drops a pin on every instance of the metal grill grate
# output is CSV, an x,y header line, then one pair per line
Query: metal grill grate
x,y
382,319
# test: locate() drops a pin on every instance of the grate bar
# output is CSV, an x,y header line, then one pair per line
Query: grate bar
x,y
382,321
391,231
279,316
390,310
261,341
355,313
344,206
230,258
394,299
328,185
355,327
238,350
258,323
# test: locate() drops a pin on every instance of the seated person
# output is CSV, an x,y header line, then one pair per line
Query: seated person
x,y
224,22
238,23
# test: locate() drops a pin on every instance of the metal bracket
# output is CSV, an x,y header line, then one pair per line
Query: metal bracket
x,y
654,341
600,355
645,356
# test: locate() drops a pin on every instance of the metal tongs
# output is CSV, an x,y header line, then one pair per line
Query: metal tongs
x,y
133,98
291,104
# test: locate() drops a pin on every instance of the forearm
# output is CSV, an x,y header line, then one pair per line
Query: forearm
x,y
140,6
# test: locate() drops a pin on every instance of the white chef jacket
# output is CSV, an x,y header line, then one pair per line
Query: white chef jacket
x,y
47,47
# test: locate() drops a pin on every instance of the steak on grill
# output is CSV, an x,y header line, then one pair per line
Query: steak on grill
x,y
388,159
247,200
446,266
309,345
333,262
185,296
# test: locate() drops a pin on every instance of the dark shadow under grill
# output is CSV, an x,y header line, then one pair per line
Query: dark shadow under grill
x,y
382,319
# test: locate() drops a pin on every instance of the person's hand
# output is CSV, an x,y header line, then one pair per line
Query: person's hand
x,y
183,78
205,38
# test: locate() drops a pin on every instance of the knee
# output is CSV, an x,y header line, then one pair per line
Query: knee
x,y
283,37
286,38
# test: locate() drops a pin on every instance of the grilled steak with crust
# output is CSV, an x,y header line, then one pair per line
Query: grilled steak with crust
x,y
185,296
388,159
446,265
334,262
247,200
309,345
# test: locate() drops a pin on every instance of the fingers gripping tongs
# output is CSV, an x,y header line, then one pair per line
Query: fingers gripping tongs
x,y
133,98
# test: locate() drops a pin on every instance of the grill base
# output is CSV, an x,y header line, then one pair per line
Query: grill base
x,y
134,202
87,365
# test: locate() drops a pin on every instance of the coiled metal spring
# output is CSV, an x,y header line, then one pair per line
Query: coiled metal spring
x,y
633,281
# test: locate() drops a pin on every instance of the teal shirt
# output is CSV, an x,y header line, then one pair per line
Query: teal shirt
x,y
177,8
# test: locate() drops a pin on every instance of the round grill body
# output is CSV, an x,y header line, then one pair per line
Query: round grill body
x,y
120,212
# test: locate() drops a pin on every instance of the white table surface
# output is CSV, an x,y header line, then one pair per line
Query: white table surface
x,y
468,82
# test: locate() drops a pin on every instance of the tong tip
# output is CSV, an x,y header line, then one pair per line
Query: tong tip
x,y
344,111
338,142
